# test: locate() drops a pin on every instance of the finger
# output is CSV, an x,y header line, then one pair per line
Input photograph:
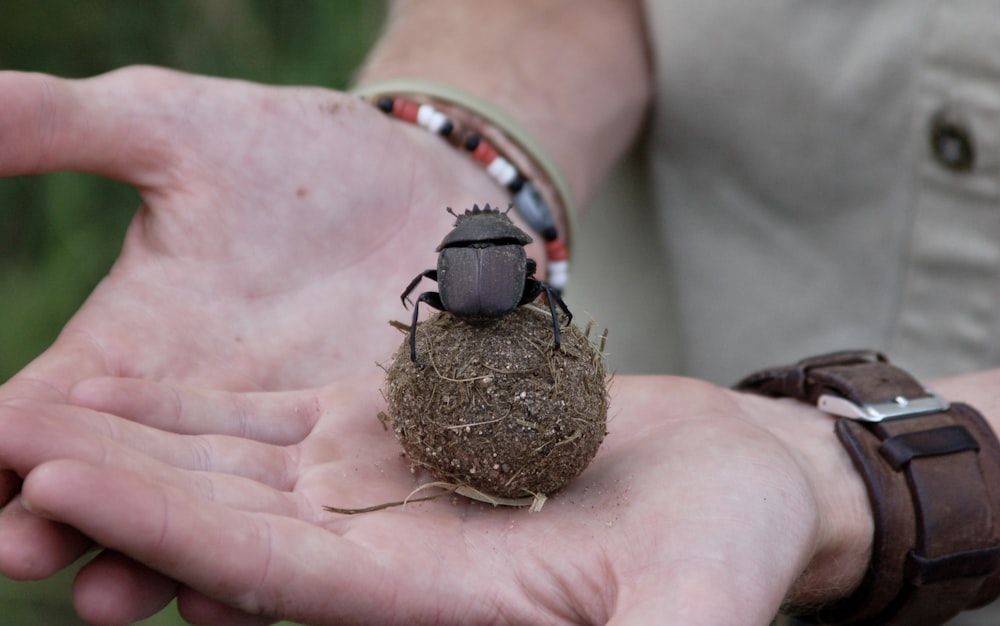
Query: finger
x,y
33,438
33,548
114,589
37,432
115,125
47,378
339,421
10,486
259,564
198,608
50,376
275,418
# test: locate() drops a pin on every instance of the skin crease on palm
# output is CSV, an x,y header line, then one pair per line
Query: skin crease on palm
x,y
269,281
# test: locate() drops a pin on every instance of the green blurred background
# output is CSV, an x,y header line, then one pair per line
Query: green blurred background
x,y
60,233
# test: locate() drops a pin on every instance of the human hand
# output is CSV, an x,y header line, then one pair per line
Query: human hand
x,y
702,507
278,225
277,229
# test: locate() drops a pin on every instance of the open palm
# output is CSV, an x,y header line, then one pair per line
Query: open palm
x,y
277,229
237,516
278,224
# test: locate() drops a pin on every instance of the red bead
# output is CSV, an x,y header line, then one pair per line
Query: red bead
x,y
484,152
555,250
405,110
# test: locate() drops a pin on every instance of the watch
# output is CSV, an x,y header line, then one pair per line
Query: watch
x,y
932,471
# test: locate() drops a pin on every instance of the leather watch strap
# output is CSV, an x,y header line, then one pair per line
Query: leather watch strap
x,y
933,476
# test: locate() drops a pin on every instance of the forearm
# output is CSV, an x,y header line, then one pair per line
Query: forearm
x,y
980,390
574,73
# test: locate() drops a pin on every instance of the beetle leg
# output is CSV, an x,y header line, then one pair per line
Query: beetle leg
x,y
532,289
555,316
552,292
432,274
433,299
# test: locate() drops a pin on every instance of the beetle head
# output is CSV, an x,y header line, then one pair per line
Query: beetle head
x,y
485,225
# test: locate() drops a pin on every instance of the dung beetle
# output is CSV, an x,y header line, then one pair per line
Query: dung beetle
x,y
483,273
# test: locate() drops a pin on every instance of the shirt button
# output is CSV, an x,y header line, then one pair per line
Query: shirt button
x,y
951,142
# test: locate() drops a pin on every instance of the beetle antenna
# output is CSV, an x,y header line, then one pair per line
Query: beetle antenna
x,y
452,211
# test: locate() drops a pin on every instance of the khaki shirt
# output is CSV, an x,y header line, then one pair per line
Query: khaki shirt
x,y
828,177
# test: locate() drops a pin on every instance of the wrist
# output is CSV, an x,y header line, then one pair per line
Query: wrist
x,y
930,470
841,549
574,74
509,155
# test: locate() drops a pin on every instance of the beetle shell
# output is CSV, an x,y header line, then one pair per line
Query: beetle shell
x,y
483,282
483,225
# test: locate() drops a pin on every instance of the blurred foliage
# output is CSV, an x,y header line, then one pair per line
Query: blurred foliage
x,y
59,233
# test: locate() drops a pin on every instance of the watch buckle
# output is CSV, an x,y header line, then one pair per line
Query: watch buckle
x,y
898,407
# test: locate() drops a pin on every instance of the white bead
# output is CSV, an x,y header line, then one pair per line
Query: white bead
x,y
437,122
424,115
502,170
558,274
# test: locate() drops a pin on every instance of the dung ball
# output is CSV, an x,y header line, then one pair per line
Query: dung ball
x,y
495,407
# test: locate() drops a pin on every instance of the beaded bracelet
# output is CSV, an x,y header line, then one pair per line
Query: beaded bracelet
x,y
528,201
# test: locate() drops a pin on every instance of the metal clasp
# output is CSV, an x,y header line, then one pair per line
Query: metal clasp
x,y
896,408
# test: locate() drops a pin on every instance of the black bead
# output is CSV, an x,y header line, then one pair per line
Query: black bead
x,y
472,141
550,234
446,128
515,185
385,104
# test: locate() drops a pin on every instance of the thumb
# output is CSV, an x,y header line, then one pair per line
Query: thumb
x,y
111,125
